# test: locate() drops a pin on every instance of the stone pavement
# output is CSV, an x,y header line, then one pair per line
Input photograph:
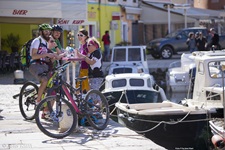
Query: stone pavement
x,y
16,133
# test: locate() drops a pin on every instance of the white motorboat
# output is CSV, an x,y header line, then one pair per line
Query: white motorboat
x,y
132,88
178,74
170,122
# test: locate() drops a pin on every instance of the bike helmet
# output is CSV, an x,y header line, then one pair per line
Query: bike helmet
x,y
44,26
56,27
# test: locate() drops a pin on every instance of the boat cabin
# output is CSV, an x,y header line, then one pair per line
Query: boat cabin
x,y
209,79
128,59
132,88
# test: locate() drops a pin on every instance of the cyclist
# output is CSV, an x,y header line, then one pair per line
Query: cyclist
x,y
41,56
56,33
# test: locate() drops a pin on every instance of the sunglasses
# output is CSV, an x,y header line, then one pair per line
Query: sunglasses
x,y
81,35
89,45
52,41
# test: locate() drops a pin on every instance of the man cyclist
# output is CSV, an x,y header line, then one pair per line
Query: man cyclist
x,y
40,57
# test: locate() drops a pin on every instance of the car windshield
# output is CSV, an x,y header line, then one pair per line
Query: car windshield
x,y
173,34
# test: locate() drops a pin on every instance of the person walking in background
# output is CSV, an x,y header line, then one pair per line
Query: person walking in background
x,y
191,42
106,42
82,36
201,42
95,73
214,40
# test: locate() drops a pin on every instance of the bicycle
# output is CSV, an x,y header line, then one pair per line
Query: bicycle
x,y
28,95
63,109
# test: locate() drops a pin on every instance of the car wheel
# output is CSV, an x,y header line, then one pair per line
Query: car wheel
x,y
156,56
166,52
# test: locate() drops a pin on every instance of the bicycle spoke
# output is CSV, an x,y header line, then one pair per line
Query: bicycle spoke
x,y
97,110
27,99
58,118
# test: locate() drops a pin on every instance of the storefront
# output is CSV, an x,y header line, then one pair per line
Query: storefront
x,y
22,17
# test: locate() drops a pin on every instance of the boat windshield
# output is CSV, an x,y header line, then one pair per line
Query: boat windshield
x,y
130,54
216,69
143,96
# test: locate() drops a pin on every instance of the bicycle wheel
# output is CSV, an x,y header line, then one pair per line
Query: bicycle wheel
x,y
27,100
61,119
98,109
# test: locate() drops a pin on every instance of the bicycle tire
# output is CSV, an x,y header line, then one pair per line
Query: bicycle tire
x,y
97,118
58,124
27,100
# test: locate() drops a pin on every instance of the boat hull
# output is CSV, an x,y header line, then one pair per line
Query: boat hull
x,y
168,130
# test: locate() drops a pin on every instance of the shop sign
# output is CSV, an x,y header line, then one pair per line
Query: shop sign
x,y
19,12
70,22
116,15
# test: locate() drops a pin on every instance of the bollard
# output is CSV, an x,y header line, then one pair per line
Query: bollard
x,y
19,77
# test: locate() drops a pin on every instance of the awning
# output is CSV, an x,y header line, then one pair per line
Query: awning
x,y
133,10
158,15
193,12
32,11
32,8
73,13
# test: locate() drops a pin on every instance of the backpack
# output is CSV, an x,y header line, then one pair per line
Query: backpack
x,y
25,53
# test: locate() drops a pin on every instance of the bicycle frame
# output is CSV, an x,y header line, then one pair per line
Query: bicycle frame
x,y
63,86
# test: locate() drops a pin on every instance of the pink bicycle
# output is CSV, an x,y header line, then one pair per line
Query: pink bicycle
x,y
57,115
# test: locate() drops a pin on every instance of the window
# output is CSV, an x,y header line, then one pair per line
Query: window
x,y
201,68
112,0
120,54
119,83
134,54
134,1
215,69
137,82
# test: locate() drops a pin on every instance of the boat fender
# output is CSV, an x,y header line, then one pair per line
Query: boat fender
x,y
218,141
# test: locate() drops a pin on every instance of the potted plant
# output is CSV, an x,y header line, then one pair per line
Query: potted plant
x,y
12,41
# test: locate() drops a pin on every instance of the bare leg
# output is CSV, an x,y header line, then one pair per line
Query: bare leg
x,y
44,82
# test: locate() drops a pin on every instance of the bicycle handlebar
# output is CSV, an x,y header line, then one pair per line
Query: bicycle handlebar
x,y
62,68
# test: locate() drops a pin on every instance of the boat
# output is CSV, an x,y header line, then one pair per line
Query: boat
x,y
178,77
128,73
167,124
185,123
132,88
128,59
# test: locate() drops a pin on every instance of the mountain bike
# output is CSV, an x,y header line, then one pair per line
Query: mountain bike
x,y
28,95
67,105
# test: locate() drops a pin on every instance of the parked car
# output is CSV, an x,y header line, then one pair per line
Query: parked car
x,y
174,42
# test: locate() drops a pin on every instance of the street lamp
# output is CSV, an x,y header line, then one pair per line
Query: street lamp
x,y
168,7
185,7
